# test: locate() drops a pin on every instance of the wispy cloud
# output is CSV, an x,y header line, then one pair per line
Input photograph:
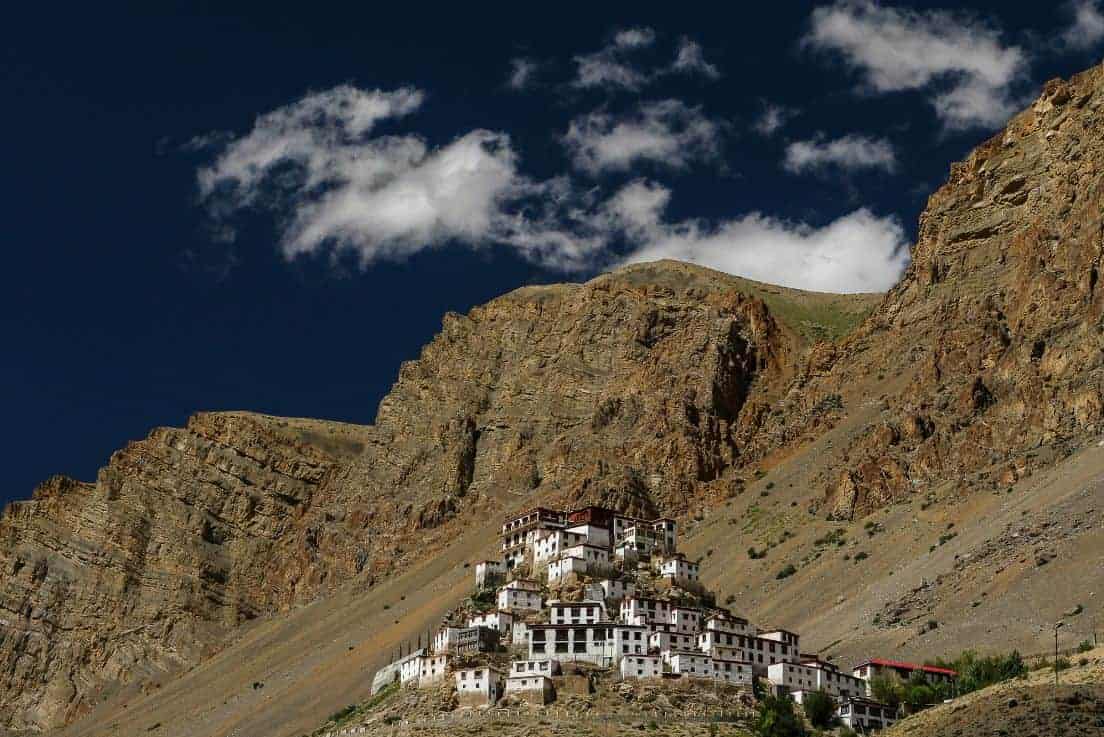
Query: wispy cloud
x,y
690,59
849,153
959,60
667,132
772,119
522,73
618,66
611,66
1087,28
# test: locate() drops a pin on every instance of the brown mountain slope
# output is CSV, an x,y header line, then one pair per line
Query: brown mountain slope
x,y
998,321
659,387
639,389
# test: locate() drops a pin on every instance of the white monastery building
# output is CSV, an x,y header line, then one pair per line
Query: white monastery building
x,y
643,613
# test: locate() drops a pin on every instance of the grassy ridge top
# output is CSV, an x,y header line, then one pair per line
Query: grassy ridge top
x,y
812,315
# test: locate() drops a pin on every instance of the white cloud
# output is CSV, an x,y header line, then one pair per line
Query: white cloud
x,y
690,59
634,38
859,252
960,60
617,65
850,153
666,132
385,196
1087,29
522,72
344,186
772,119
610,67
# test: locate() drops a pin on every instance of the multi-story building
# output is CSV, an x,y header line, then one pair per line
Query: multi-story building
x,y
464,639
676,569
863,714
831,680
565,567
628,639
577,612
665,639
691,664
478,686
519,532
686,620
425,670
732,671
725,623
641,666
566,642
521,595
534,668
496,619
550,544
616,589
651,610
530,687
873,667
489,573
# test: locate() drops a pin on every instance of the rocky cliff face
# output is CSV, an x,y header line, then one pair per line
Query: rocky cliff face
x,y
1000,312
641,389
652,389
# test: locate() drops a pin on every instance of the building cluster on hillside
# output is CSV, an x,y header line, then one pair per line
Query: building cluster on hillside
x,y
598,587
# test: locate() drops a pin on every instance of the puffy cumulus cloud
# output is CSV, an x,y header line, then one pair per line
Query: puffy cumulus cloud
x,y
957,58
690,59
772,119
522,73
387,196
850,153
1087,29
667,132
859,252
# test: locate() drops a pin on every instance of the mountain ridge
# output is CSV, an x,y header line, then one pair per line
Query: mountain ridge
x,y
750,411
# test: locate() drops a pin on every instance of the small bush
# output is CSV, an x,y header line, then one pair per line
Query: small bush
x,y
820,709
1085,646
786,572
778,719
756,554
861,555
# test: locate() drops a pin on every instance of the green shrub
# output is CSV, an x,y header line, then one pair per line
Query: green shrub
x,y
777,719
976,672
861,555
888,690
1085,646
786,572
819,709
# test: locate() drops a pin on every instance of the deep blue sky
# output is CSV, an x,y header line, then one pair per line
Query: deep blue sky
x,y
121,312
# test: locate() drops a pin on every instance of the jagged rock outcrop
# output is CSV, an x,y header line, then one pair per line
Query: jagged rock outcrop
x,y
999,314
641,389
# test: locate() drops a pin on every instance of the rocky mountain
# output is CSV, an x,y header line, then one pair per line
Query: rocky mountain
x,y
640,389
656,388
998,321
